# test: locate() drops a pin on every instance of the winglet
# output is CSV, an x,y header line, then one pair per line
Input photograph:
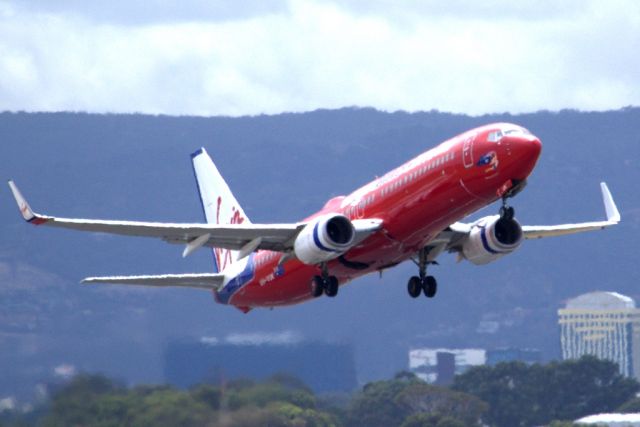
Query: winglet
x,y
25,210
613,215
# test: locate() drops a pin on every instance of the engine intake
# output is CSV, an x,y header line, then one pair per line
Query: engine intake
x,y
491,238
324,238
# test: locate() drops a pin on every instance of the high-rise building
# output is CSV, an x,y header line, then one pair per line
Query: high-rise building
x,y
439,365
605,325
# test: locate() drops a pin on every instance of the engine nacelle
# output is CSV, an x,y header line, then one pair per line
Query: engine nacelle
x,y
324,238
491,238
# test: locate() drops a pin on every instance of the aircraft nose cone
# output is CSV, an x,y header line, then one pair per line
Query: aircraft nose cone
x,y
535,147
525,150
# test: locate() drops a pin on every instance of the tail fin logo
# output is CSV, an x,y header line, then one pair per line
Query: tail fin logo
x,y
225,256
236,216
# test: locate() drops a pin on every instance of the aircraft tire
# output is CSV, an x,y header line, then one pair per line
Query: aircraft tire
x,y
507,212
414,287
317,286
430,286
331,286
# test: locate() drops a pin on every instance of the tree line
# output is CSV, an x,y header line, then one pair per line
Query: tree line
x,y
508,394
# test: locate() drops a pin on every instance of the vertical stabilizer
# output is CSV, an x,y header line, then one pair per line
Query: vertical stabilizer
x,y
218,203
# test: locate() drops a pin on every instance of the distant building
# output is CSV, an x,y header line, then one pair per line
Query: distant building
x,y
439,365
323,367
526,355
445,368
605,325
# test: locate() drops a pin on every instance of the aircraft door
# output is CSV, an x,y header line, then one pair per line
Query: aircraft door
x,y
467,151
470,180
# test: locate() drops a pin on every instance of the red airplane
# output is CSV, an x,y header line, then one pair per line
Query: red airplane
x,y
411,213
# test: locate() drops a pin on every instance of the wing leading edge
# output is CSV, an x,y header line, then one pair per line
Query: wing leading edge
x,y
211,281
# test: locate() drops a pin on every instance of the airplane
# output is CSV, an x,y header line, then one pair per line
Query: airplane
x,y
410,213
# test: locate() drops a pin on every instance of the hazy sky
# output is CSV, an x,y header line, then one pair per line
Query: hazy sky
x,y
210,57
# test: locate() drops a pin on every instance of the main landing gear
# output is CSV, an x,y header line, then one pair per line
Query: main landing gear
x,y
422,283
324,284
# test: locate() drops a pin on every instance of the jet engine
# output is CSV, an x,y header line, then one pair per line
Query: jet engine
x,y
491,238
325,238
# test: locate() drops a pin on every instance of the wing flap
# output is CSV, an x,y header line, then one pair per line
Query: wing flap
x,y
194,280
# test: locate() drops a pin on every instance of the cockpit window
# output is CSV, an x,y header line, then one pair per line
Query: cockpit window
x,y
515,131
494,136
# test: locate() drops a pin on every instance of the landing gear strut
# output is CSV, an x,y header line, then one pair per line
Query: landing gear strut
x,y
324,283
422,283
506,212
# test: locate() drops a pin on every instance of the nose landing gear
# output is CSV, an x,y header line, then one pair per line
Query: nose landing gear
x,y
509,190
506,212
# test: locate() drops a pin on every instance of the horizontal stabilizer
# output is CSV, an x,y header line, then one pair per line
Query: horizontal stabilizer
x,y
201,281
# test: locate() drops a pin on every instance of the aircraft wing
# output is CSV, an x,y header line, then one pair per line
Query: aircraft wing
x,y
245,238
451,238
277,237
613,217
202,281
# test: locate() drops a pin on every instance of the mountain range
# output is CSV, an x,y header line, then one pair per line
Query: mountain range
x,y
282,168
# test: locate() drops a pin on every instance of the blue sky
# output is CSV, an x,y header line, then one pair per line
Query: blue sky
x,y
198,57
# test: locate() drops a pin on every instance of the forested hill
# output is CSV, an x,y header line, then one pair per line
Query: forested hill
x,y
507,395
282,168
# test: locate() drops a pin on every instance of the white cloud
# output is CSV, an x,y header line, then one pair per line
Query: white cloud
x,y
501,56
